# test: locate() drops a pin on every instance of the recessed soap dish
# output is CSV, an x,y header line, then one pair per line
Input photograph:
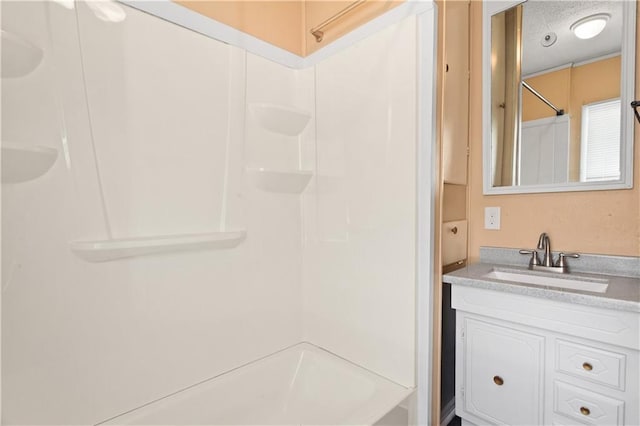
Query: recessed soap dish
x,y
289,182
19,57
24,163
280,119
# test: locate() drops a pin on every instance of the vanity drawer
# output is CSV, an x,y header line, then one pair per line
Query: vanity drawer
x,y
587,407
597,365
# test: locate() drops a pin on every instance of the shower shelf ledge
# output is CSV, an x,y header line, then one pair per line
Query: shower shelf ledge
x,y
24,163
106,250
288,182
19,56
280,119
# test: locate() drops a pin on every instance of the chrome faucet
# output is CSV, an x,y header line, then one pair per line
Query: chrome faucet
x,y
547,264
545,244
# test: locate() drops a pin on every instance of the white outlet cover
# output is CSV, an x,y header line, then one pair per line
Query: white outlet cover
x,y
492,218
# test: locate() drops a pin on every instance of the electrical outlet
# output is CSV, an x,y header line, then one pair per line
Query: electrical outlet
x,y
492,218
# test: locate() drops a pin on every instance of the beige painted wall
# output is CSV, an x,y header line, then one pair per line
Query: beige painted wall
x,y
587,222
276,22
318,11
569,89
590,83
555,86
286,24
572,87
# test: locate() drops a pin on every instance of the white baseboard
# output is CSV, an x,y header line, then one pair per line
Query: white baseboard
x,y
448,412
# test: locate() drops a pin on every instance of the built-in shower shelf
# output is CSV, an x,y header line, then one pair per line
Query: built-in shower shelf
x,y
106,250
19,57
280,119
23,163
289,182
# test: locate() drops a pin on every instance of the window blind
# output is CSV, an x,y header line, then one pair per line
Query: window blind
x,y
600,141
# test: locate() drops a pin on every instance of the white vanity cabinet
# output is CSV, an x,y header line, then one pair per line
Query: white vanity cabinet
x,y
502,370
524,360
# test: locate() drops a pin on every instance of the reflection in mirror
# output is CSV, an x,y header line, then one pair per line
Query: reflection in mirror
x,y
559,114
506,30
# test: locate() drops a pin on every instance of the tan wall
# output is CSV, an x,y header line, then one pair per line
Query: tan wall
x,y
570,89
280,23
588,222
318,11
287,24
606,75
555,87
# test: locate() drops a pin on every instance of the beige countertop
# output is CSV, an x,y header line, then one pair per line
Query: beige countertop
x,y
623,293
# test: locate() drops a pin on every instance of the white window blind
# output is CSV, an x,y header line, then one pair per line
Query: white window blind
x,y
600,141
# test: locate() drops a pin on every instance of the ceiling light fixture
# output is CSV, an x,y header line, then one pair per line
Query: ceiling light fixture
x,y
590,26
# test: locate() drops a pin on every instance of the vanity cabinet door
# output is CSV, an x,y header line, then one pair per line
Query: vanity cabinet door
x,y
502,374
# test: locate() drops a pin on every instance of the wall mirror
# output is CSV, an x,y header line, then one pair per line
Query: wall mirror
x,y
558,80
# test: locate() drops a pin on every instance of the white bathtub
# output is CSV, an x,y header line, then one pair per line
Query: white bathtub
x,y
299,385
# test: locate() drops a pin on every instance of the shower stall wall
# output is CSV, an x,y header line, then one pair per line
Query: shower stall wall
x,y
195,208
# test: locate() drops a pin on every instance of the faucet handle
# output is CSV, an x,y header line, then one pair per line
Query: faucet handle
x,y
534,257
561,263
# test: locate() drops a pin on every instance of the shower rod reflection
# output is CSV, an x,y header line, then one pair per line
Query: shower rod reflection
x,y
635,105
542,98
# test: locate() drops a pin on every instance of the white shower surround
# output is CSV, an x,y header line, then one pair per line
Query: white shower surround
x,y
166,297
281,389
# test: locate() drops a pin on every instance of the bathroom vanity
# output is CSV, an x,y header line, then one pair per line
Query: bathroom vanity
x,y
531,354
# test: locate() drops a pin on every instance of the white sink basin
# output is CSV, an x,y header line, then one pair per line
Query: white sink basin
x,y
595,285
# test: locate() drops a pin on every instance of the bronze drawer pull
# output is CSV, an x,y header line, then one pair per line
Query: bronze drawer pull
x,y
454,230
585,411
587,366
498,380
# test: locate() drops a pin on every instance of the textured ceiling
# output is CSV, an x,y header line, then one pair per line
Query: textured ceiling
x,y
543,16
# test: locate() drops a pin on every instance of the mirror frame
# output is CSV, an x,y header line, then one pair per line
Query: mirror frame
x,y
627,91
